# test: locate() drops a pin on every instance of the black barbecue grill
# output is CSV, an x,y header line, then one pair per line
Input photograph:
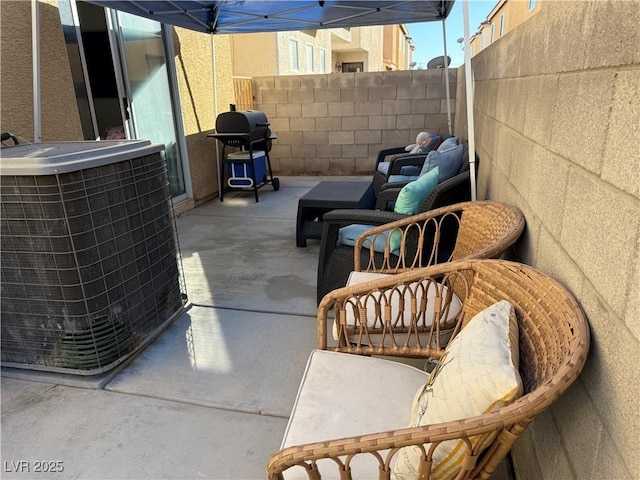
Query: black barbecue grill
x,y
248,132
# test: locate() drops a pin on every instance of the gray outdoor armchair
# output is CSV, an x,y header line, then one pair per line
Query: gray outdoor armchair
x,y
452,190
391,161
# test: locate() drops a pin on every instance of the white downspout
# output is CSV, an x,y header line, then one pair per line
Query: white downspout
x,y
215,107
469,91
446,76
35,52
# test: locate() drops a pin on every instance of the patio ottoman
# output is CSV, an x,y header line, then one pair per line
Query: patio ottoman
x,y
327,196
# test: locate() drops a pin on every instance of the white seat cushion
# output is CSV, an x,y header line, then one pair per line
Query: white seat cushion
x,y
339,397
356,278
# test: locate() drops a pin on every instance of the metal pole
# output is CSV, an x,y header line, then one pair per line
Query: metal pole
x,y
215,107
469,91
35,52
446,76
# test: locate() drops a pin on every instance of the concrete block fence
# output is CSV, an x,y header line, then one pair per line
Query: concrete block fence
x,y
335,124
571,164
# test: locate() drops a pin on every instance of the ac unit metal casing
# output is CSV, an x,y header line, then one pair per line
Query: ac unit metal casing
x,y
89,253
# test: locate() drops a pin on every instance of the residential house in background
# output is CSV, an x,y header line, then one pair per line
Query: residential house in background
x,y
503,17
357,49
397,48
281,53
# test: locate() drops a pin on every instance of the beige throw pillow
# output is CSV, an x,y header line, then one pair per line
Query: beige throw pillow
x,y
478,373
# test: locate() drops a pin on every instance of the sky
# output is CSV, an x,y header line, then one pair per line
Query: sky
x,y
427,37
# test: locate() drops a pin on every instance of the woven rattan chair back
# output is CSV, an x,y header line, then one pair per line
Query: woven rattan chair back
x,y
481,229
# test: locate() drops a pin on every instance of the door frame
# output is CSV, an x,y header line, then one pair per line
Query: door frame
x,y
170,58
113,32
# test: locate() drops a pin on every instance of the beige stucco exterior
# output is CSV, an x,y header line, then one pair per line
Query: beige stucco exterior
x,y
203,98
514,13
59,113
366,46
315,39
396,47
257,54
262,54
252,52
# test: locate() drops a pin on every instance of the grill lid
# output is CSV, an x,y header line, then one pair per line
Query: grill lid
x,y
253,123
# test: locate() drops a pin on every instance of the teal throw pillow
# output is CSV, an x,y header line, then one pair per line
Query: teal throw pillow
x,y
414,193
348,235
448,161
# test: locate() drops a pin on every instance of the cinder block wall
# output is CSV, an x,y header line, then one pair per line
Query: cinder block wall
x,y
557,114
335,124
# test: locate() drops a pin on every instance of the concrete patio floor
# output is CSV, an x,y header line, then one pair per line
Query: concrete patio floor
x,y
211,396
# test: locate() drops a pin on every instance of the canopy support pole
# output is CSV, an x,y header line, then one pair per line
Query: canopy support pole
x,y
446,76
35,53
469,91
215,108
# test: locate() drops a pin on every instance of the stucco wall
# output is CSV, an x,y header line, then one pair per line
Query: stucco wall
x,y
59,112
557,130
335,124
196,86
254,54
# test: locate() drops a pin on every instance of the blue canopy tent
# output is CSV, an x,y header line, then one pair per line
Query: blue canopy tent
x,y
250,16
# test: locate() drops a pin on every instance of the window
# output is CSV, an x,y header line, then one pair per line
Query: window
x,y
352,66
502,22
309,58
323,60
493,32
293,53
532,4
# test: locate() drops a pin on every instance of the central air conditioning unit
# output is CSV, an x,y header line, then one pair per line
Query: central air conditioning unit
x,y
90,261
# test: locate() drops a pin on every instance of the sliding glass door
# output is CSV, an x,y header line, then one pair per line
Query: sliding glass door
x,y
146,89
125,67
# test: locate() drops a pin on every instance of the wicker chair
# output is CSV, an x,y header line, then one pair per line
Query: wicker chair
x,y
553,346
482,229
